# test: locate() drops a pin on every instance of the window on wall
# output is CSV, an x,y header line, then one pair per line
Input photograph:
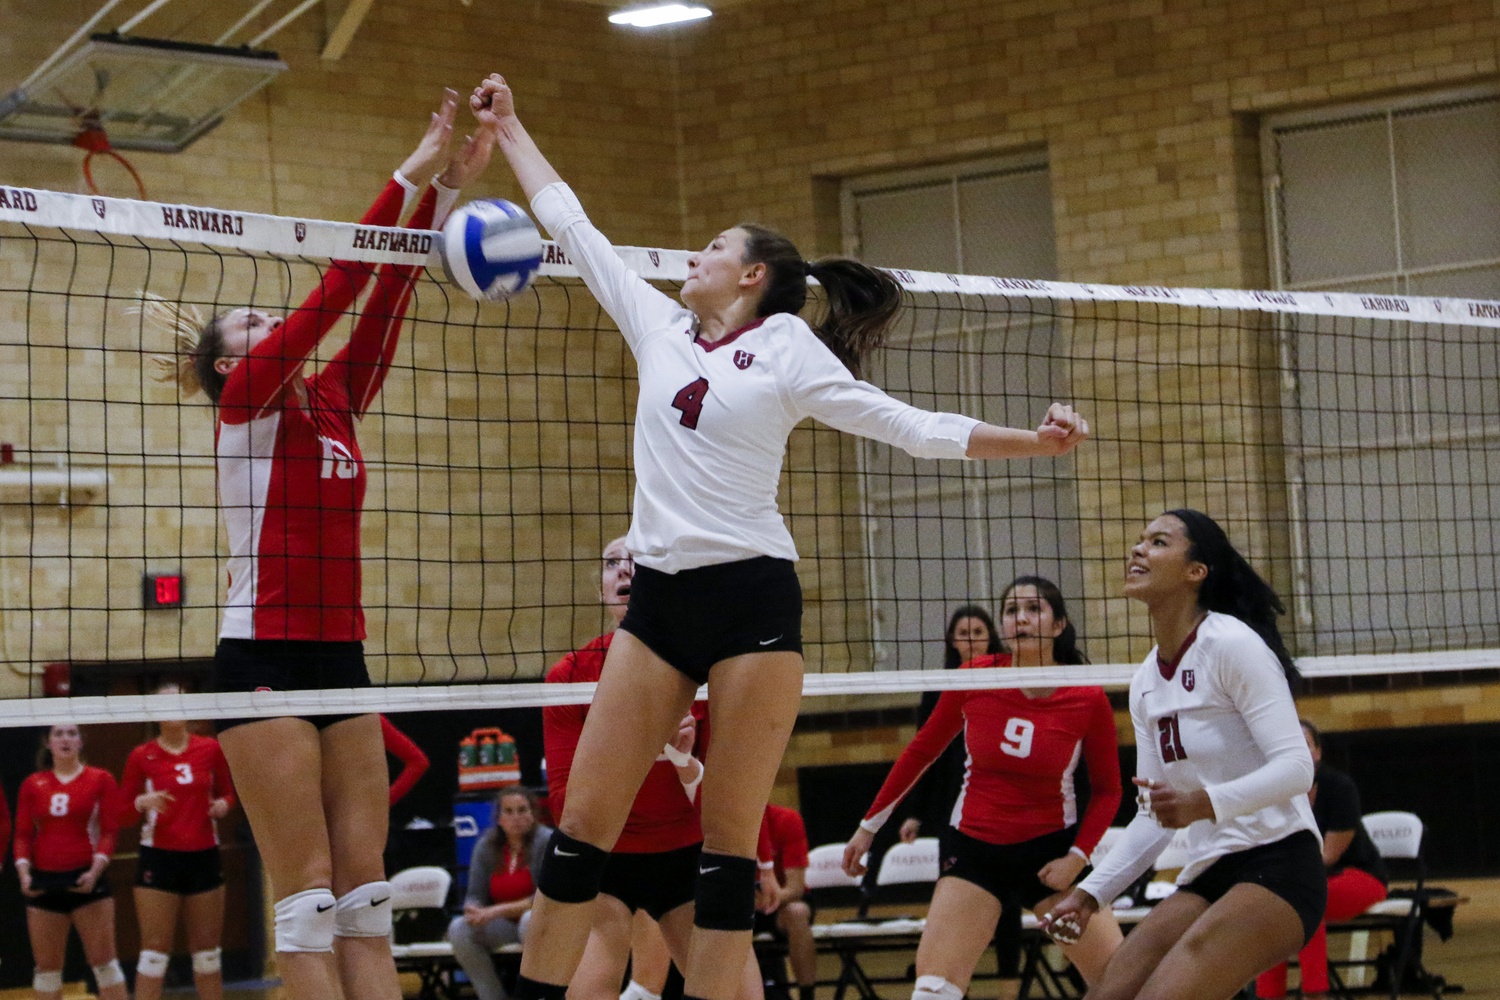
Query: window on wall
x,y
1390,427
943,534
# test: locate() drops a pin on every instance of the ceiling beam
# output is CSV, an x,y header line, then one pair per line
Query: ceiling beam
x,y
343,18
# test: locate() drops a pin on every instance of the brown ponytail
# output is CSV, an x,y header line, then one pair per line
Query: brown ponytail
x,y
862,300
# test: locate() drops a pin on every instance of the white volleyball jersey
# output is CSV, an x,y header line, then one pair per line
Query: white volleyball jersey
x,y
1220,718
712,420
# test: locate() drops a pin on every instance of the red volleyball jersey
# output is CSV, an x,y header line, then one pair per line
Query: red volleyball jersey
x,y
291,476
61,825
194,778
662,818
1022,756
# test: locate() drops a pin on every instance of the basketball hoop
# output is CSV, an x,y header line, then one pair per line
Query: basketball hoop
x,y
95,142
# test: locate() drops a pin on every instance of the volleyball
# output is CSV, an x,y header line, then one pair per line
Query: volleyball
x,y
491,249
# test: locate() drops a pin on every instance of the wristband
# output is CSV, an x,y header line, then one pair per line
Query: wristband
x,y
765,866
676,756
868,826
1075,849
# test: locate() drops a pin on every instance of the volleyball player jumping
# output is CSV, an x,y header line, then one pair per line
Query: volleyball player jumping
x,y
653,866
1016,828
1220,752
292,483
724,377
177,785
67,815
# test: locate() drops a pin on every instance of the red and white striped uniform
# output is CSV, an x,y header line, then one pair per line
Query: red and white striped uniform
x,y
61,825
291,476
194,778
662,818
1023,754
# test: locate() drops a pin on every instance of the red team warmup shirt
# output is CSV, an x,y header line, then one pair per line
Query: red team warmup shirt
x,y
194,778
61,825
291,476
788,835
1022,756
662,818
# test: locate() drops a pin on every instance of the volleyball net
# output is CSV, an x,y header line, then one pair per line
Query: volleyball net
x,y
1349,444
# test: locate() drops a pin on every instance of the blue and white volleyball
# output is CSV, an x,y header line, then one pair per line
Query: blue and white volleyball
x,y
491,249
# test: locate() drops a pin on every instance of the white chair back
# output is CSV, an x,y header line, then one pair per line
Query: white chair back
x,y
424,887
1106,844
1396,834
906,863
825,868
1175,855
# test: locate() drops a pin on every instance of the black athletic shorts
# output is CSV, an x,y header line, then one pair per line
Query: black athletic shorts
x,y
288,665
58,896
695,618
185,873
1291,867
658,883
1005,870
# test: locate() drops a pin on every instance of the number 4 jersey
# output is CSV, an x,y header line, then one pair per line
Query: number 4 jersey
x,y
1023,755
194,778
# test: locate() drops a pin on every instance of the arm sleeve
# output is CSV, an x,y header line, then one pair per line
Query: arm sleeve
x,y
223,780
1252,678
257,383
1144,838
481,867
822,387
637,308
1103,761
945,722
132,785
562,725
364,362
109,814
25,823
794,846
413,761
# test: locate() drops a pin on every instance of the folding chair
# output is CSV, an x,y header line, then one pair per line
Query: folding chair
x,y
419,899
1398,837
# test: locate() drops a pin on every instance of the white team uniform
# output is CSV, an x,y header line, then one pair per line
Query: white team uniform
x,y
1223,720
712,421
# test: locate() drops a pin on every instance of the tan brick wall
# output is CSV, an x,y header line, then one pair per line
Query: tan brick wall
x,y
1148,111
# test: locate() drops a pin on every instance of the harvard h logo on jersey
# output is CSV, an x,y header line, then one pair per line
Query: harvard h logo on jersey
x,y
338,460
742,359
1188,680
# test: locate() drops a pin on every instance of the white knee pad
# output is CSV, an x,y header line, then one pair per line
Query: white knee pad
x,y
109,974
635,991
208,961
151,963
936,988
305,921
47,982
364,911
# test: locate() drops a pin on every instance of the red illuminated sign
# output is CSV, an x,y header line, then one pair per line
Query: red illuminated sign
x,y
163,591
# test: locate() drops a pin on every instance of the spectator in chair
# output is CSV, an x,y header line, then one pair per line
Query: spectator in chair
x,y
789,915
1357,877
502,884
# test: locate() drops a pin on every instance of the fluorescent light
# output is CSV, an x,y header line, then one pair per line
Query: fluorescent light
x,y
659,14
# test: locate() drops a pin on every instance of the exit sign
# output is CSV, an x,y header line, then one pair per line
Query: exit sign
x,y
163,591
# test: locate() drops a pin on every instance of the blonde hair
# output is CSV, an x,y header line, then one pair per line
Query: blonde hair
x,y
194,340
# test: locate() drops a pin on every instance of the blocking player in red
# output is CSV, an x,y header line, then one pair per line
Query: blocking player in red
x,y
67,815
177,787
1016,826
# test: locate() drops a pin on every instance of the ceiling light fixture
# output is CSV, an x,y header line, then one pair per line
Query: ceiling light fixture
x,y
659,14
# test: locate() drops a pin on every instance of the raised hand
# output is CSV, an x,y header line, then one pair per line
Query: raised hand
x,y
432,151
1062,430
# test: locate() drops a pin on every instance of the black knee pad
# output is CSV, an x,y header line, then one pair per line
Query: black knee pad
x,y
725,900
571,870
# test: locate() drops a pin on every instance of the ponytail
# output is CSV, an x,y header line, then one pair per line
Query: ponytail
x,y
197,344
862,300
1232,586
